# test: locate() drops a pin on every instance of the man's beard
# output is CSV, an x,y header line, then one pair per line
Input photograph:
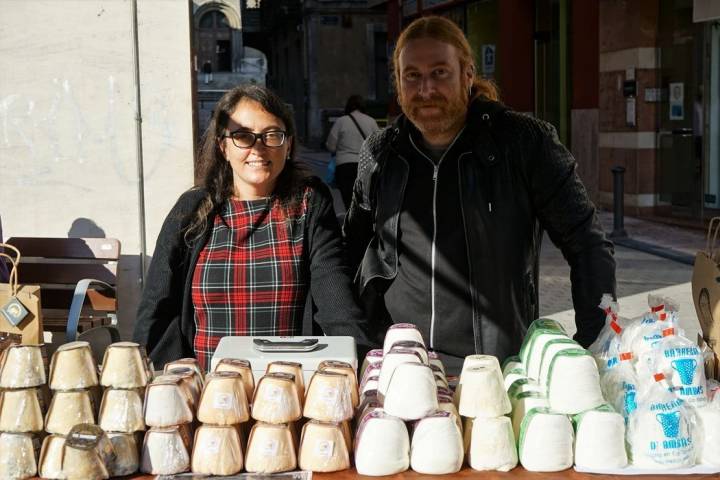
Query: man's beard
x,y
448,113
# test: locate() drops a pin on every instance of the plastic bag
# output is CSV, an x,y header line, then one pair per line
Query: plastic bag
x,y
619,384
661,431
608,343
682,362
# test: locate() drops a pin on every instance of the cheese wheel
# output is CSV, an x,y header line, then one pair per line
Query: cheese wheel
x,y
328,397
392,359
223,400
574,382
323,447
126,447
124,366
167,403
17,456
51,457
21,366
276,399
166,450
482,393
242,367
217,450
437,445
600,439
122,411
20,411
492,445
411,393
401,331
68,409
382,445
271,449
546,441
73,367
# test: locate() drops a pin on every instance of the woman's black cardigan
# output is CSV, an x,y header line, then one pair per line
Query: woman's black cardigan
x,y
165,321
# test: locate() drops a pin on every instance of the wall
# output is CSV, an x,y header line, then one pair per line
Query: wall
x,y
68,140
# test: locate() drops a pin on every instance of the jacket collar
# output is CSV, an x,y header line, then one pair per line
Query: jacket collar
x,y
479,135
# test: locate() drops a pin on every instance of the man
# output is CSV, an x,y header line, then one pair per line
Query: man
x,y
451,202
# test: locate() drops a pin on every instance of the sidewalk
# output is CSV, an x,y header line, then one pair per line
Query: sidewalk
x,y
638,272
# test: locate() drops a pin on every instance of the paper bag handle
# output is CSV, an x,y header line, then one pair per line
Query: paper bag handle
x,y
713,229
14,261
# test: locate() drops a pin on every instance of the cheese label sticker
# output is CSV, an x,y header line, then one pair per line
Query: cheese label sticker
x,y
324,448
330,396
273,394
223,401
213,446
270,448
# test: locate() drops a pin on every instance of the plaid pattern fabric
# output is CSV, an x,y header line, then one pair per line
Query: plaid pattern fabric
x,y
249,279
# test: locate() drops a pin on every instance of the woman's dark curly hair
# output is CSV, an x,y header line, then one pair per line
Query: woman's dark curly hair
x,y
214,171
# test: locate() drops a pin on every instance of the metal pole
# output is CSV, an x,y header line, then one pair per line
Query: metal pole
x,y
618,202
139,144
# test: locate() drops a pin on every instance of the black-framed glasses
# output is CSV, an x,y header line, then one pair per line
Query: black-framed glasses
x,y
245,139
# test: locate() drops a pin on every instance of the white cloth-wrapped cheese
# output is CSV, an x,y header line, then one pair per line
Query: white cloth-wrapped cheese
x,y
217,450
68,409
382,445
122,411
492,445
271,449
415,346
574,382
535,351
223,400
709,419
411,393
51,456
276,399
524,385
522,404
294,369
401,331
391,360
126,447
482,393
72,367
436,447
600,439
166,403
21,366
166,451
480,360
546,441
539,326
20,411
328,397
435,361
124,366
190,381
551,349
511,363
512,376
323,447
346,369
372,357
17,456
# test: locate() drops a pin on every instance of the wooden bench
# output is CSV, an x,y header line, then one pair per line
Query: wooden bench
x,y
78,282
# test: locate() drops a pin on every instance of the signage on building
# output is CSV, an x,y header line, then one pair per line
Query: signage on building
x,y
677,101
488,59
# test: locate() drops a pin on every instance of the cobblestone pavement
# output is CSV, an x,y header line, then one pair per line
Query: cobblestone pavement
x,y
637,272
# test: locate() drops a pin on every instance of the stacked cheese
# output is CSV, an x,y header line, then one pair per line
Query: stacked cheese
x,y
552,378
223,407
404,382
276,406
125,373
483,402
170,403
22,405
326,438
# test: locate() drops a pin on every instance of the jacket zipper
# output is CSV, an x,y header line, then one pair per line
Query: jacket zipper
x,y
436,168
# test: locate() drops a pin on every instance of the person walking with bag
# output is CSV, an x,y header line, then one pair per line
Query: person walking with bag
x,y
345,138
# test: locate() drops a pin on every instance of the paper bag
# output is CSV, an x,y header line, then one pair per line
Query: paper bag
x,y
706,289
20,298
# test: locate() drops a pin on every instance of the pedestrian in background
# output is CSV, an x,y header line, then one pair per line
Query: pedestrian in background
x,y
344,140
207,71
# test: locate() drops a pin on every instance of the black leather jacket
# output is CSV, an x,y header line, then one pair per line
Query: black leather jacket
x,y
515,180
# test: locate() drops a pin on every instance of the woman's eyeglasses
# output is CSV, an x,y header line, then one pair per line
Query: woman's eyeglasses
x,y
245,139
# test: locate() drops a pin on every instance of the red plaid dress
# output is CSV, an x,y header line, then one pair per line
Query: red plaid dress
x,y
250,277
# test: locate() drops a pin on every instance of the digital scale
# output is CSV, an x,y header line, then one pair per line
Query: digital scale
x,y
308,351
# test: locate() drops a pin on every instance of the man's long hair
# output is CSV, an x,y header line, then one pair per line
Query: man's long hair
x,y
214,171
446,31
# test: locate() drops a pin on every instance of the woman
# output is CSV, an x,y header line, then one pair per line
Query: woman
x,y
345,138
255,250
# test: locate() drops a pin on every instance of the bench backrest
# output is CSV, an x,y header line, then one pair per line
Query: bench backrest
x,y
57,264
